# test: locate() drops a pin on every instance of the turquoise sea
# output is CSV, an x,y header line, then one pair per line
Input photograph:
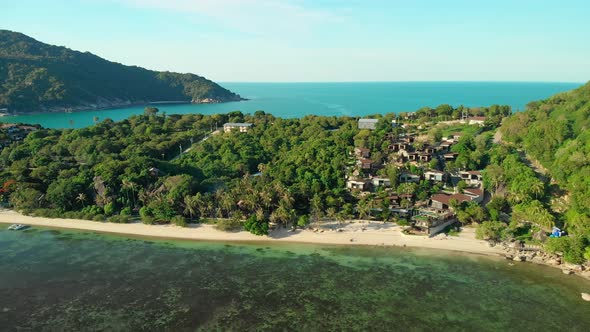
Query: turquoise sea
x,y
351,99
58,280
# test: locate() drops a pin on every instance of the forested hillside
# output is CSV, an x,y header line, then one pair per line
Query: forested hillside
x,y
35,76
556,132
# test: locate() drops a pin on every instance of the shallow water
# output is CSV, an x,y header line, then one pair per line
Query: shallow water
x,y
54,280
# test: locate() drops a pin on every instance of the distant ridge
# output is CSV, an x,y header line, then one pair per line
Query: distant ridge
x,y
37,77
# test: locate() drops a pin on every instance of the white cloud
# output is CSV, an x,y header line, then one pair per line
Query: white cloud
x,y
263,18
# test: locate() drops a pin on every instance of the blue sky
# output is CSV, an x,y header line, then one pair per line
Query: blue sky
x,y
323,40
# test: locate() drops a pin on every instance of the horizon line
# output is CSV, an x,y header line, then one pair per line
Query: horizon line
x,y
405,81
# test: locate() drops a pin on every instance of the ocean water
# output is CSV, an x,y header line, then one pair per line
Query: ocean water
x,y
291,100
54,280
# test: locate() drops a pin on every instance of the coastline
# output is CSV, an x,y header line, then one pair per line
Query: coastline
x,y
350,233
376,234
88,108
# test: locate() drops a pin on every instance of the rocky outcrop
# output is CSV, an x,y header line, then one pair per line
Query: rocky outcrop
x,y
515,251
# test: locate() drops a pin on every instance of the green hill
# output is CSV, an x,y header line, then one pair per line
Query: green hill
x,y
39,77
556,132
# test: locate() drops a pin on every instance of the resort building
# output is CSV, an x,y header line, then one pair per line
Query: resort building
x,y
476,194
476,120
432,222
437,176
365,163
370,124
471,177
362,152
381,182
361,185
242,127
407,177
443,201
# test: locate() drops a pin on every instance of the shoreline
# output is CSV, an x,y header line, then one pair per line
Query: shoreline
x,y
376,234
349,234
82,109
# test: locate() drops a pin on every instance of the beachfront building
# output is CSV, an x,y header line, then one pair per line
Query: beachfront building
x,y
432,222
370,124
241,127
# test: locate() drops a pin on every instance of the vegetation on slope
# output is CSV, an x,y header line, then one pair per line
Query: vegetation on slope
x,y
556,132
36,76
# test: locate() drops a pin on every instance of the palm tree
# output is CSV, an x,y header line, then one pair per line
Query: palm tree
x,y
363,209
190,206
81,198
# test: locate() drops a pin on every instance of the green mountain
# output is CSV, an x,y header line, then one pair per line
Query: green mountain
x,y
39,77
556,132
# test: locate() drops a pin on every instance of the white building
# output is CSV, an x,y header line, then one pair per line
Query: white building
x,y
370,124
242,127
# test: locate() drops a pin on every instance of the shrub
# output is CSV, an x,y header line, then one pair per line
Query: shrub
x,y
256,226
126,211
491,230
227,225
303,221
93,210
179,221
572,248
47,213
402,222
109,209
98,217
148,220
145,212
120,219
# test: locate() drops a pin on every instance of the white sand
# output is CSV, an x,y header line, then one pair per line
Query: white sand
x,y
375,233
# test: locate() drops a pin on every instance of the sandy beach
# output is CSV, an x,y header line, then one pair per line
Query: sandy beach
x,y
349,233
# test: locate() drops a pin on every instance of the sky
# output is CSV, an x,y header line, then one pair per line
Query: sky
x,y
323,40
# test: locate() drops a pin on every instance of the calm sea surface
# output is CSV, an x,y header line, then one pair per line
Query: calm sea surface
x,y
355,99
73,281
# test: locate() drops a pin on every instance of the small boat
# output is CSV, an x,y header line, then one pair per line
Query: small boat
x,y
18,227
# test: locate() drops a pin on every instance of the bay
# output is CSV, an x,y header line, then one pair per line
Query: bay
x,y
61,280
290,100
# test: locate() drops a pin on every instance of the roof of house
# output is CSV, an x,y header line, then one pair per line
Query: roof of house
x,y
237,124
369,120
434,172
474,191
358,181
477,118
7,125
410,174
446,199
473,172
